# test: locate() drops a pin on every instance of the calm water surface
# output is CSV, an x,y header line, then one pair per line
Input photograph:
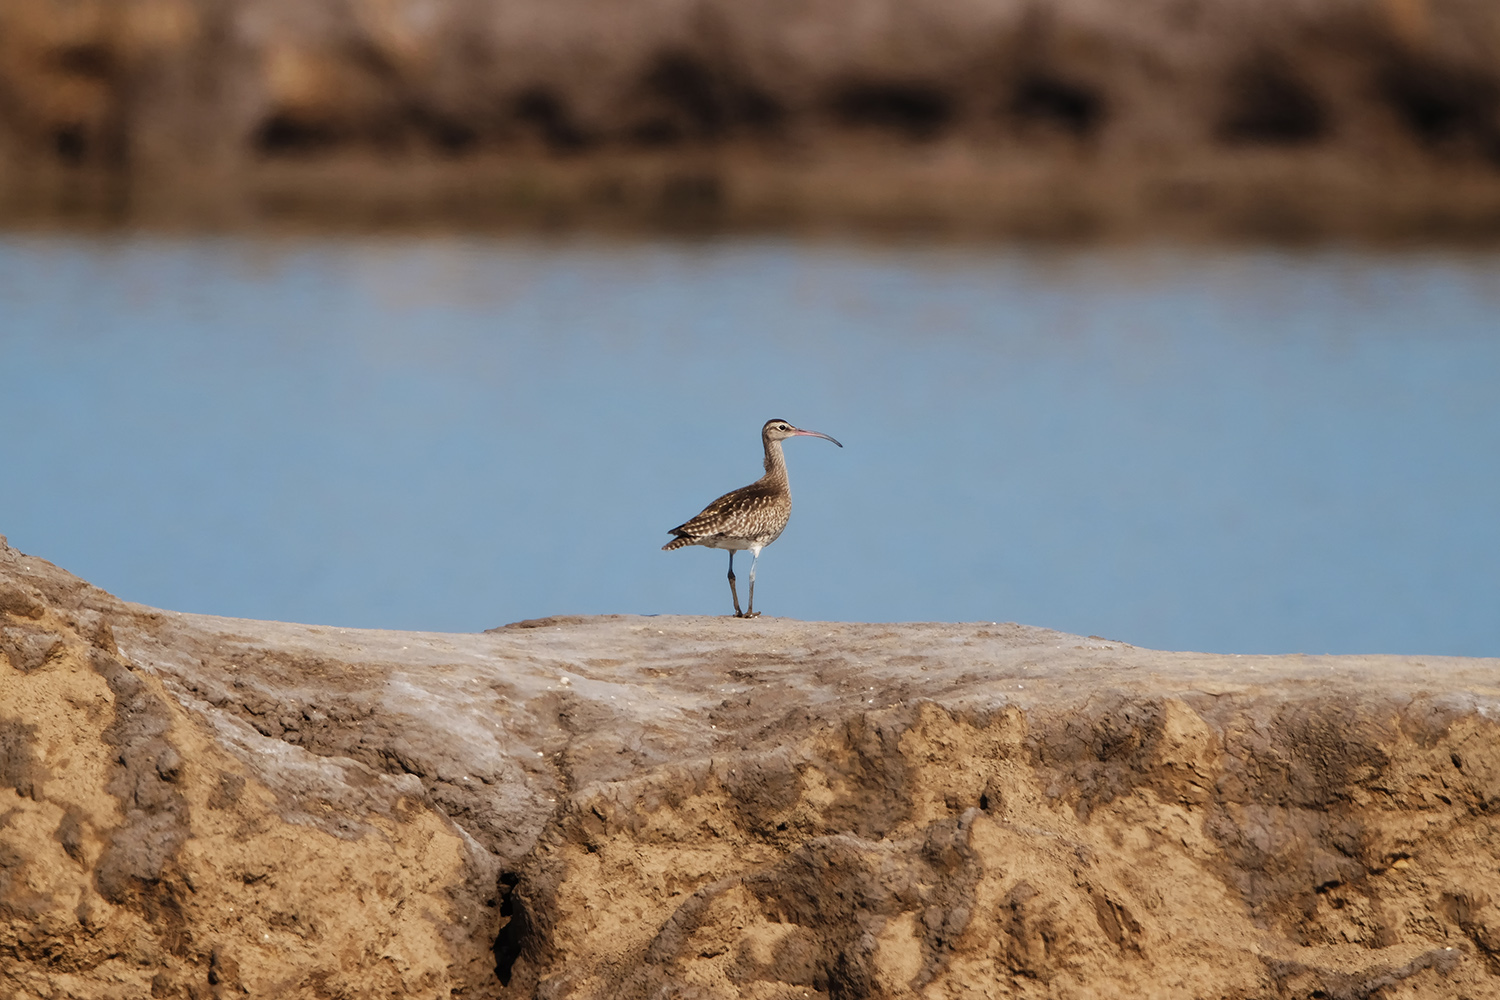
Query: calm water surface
x,y
1228,450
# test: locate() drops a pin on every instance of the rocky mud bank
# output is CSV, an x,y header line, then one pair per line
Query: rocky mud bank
x,y
619,807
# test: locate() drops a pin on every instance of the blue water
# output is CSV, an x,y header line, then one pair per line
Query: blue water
x,y
1227,450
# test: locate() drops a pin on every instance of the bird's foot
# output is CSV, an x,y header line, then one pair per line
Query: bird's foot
x,y
747,614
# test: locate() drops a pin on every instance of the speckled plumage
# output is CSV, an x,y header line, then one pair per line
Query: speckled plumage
x,y
750,517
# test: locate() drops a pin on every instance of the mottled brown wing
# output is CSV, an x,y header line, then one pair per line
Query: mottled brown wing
x,y
741,513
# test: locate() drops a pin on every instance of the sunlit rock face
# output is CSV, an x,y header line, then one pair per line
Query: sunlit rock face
x,y
639,807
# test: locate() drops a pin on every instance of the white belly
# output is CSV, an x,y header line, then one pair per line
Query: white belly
x,y
739,544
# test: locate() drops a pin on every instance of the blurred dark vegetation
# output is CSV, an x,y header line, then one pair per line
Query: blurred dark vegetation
x,y
1279,118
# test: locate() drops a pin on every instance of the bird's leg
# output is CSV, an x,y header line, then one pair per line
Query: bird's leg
x,y
752,613
732,593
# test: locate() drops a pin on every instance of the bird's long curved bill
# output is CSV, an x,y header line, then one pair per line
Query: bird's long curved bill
x,y
813,434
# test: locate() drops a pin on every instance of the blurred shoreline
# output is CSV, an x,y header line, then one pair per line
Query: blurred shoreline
x,y
947,193
1374,121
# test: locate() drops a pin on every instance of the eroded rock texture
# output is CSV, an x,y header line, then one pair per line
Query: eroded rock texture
x,y
677,807
144,852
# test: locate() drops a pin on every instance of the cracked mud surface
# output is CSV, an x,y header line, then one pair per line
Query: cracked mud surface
x,y
606,807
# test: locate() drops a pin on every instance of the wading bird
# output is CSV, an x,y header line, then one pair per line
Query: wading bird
x,y
751,517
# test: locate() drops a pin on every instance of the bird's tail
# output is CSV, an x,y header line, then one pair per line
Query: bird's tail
x,y
677,543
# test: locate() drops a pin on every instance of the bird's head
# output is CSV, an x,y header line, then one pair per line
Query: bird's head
x,y
780,430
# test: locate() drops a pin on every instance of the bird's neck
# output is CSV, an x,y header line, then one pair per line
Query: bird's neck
x,y
775,463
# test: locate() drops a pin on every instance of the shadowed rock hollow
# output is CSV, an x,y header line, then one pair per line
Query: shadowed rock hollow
x,y
607,807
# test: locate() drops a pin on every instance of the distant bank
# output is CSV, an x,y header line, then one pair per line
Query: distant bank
x,y
1275,119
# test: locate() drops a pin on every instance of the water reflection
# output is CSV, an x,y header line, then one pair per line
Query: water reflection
x,y
1235,451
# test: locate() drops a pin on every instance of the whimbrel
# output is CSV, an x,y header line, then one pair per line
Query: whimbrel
x,y
751,517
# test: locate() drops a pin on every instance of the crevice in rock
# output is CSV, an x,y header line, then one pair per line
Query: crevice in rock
x,y
511,940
